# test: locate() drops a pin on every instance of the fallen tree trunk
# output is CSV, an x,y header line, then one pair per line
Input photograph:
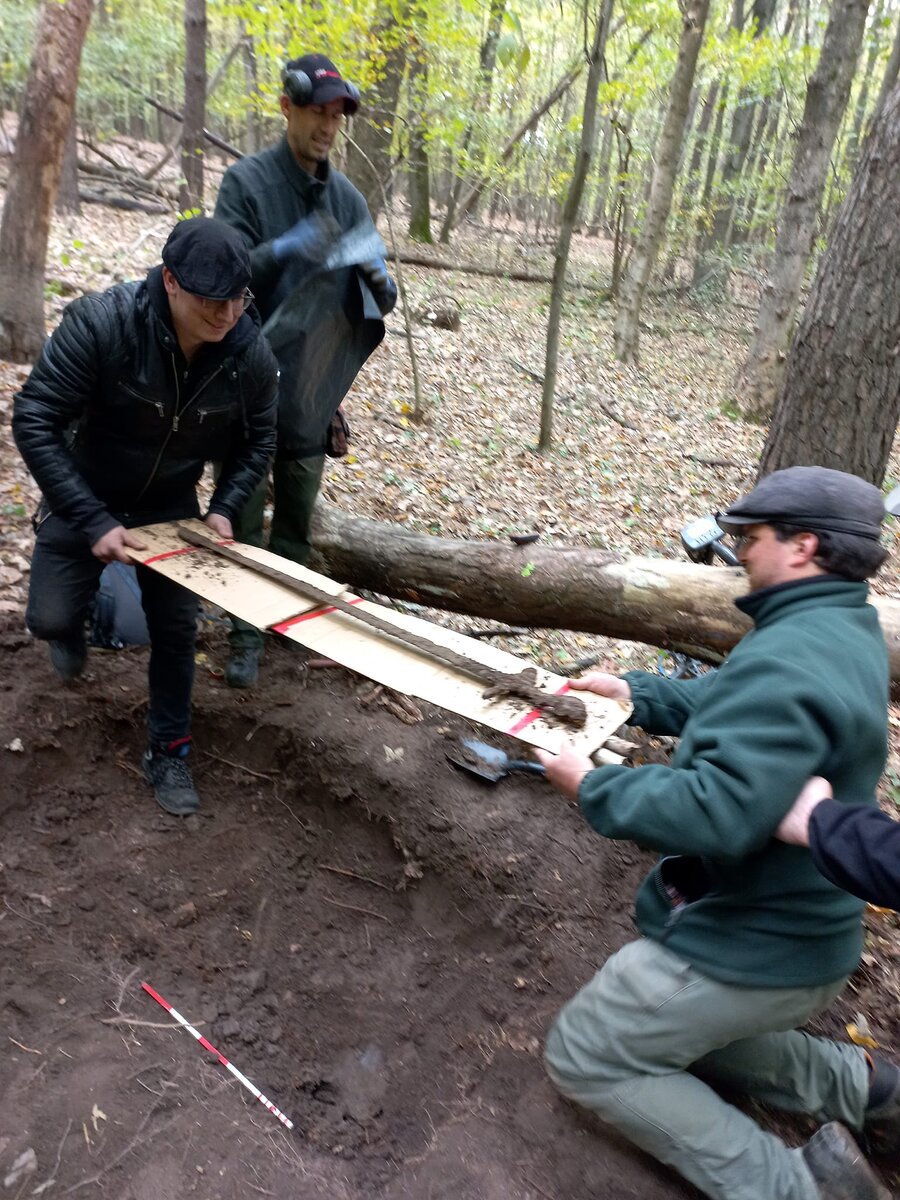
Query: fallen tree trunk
x,y
676,605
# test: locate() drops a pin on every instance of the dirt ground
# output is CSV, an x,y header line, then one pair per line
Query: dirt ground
x,y
377,941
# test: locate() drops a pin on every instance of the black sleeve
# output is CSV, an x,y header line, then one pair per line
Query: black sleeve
x,y
249,459
857,847
54,396
237,208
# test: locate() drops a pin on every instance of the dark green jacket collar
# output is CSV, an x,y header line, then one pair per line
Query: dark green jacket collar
x,y
769,604
310,187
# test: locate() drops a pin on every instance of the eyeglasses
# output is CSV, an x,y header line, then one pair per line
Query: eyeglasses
x,y
244,299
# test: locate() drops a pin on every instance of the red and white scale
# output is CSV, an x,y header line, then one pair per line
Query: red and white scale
x,y
336,635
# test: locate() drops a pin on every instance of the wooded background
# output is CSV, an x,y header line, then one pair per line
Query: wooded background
x,y
734,153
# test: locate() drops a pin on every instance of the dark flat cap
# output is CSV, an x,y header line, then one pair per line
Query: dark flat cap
x,y
812,498
208,258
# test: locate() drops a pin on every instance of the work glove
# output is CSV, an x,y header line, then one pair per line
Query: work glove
x,y
382,287
310,240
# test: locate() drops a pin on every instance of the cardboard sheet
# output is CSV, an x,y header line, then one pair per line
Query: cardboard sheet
x,y
270,605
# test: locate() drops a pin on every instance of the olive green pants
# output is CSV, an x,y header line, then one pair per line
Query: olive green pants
x,y
638,1043
296,485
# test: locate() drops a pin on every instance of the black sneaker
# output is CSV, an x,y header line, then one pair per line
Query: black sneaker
x,y
837,1165
881,1128
170,777
242,668
68,657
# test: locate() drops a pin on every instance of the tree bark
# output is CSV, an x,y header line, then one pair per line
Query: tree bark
x,y
891,73
369,165
826,101
470,199
676,605
840,399
45,118
570,212
419,174
668,156
67,198
486,63
190,194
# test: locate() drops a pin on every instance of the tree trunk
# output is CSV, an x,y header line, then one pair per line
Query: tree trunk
x,y
67,199
486,64
369,162
470,199
569,215
840,399
419,181
891,73
45,118
826,100
676,605
710,271
190,194
668,155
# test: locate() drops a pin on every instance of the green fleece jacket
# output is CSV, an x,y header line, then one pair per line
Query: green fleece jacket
x,y
804,693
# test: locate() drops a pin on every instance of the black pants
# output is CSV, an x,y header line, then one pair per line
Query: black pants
x,y
64,579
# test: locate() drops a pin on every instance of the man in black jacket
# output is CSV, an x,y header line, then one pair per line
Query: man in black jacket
x,y
138,388
322,288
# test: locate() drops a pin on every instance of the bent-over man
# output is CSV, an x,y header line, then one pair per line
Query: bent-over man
x,y
135,391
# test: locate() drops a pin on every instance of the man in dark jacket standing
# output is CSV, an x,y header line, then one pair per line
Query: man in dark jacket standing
x,y
322,288
137,389
743,940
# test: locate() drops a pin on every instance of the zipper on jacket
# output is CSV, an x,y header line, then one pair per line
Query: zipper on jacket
x,y
157,404
179,412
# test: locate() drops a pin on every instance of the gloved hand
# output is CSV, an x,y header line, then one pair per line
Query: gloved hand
x,y
381,285
310,239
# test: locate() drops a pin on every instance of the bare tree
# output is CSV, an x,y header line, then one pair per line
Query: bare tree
x,y
668,156
594,56
44,121
190,194
840,399
826,101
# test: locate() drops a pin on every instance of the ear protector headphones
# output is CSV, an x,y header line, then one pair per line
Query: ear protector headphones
x,y
298,87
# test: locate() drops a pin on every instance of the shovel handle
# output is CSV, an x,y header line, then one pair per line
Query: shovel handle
x,y
525,765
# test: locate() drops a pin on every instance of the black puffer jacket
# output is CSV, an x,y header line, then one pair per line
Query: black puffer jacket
x,y
116,427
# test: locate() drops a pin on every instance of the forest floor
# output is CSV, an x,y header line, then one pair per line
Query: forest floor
x,y
375,940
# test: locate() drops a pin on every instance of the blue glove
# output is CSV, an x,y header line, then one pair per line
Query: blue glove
x,y
310,239
381,285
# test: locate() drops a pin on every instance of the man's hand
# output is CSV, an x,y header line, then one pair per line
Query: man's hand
x,y
794,827
566,769
602,684
381,285
112,547
220,525
310,239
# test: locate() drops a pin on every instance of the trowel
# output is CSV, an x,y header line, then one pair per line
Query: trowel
x,y
487,762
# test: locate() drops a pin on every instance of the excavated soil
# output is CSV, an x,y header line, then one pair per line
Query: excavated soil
x,y
376,940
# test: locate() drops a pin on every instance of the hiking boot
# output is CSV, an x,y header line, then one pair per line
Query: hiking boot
x,y
242,668
881,1123
170,777
67,657
838,1167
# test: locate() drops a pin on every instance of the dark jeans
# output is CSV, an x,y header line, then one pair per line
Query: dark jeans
x,y
64,579
296,484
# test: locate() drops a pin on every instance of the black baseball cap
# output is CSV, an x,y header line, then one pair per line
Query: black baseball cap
x,y
811,498
327,82
208,258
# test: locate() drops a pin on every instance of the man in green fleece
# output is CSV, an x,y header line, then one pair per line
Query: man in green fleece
x,y
743,940
322,288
